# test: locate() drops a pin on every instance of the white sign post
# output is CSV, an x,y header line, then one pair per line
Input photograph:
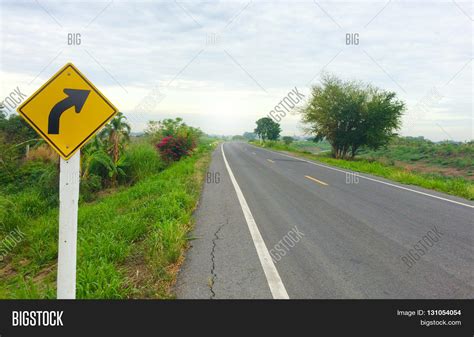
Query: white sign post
x,y
43,110
68,208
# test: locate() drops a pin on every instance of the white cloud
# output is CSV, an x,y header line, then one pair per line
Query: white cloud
x,y
262,51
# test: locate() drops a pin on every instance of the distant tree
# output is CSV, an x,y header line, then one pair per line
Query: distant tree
x,y
165,127
157,130
239,138
350,115
250,135
15,130
15,137
287,140
267,129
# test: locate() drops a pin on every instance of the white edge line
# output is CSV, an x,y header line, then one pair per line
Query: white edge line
x,y
274,281
368,178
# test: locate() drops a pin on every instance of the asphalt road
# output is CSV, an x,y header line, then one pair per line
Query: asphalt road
x,y
329,234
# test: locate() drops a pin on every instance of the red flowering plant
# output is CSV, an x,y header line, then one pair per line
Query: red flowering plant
x,y
173,148
173,138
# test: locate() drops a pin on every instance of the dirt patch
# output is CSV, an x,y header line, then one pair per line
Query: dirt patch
x,y
45,272
139,277
149,283
7,271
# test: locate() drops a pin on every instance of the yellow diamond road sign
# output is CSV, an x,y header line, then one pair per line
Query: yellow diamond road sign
x,y
67,110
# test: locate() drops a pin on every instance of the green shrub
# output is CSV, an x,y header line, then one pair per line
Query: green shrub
x,y
287,140
173,148
174,139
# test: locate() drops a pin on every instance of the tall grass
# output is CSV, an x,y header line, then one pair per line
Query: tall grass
x,y
142,161
128,241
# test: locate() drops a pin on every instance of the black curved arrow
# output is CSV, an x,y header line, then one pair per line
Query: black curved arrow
x,y
76,98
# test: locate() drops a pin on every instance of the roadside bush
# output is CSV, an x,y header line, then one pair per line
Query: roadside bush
x,y
287,140
100,164
173,148
269,143
173,138
276,145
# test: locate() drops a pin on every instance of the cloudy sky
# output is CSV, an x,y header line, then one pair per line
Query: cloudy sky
x,y
223,64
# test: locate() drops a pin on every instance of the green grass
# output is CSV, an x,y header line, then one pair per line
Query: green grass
x,y
310,146
305,146
129,241
455,186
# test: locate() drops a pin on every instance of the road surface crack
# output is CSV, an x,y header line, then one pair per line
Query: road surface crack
x,y
213,265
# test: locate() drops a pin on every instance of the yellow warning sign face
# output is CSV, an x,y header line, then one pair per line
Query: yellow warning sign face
x,y
67,110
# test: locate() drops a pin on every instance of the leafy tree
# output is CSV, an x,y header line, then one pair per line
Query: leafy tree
x,y
157,130
98,162
239,138
350,115
287,140
104,155
166,127
115,134
267,129
94,156
249,135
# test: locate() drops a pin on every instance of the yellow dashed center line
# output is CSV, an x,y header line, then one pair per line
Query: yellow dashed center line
x,y
316,180
271,161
